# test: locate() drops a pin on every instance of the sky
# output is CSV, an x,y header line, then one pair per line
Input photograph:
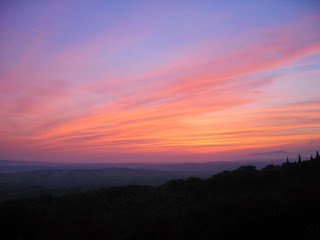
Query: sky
x,y
158,81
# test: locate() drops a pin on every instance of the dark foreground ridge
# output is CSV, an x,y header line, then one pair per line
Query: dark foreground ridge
x,y
276,202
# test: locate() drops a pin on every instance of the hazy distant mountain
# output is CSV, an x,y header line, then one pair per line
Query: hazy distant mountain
x,y
8,163
27,179
55,181
11,166
271,153
279,154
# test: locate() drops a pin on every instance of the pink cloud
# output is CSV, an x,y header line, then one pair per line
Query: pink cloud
x,y
197,104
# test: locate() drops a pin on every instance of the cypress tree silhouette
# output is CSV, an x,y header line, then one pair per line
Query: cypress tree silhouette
x,y
299,161
318,157
287,160
311,158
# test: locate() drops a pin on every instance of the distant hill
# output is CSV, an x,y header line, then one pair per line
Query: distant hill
x,y
30,179
59,181
279,152
12,166
276,202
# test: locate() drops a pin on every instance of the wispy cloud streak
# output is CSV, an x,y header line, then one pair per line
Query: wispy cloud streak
x,y
87,98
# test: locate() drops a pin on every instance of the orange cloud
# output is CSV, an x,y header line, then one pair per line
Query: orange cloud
x,y
209,108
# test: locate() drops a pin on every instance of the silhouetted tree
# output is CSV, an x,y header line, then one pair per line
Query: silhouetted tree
x,y
299,161
287,160
311,158
318,157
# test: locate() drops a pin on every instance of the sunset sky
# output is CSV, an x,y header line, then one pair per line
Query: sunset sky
x,y
153,81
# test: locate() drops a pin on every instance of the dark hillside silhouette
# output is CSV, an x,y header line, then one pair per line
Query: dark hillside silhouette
x,y
62,181
18,181
276,202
